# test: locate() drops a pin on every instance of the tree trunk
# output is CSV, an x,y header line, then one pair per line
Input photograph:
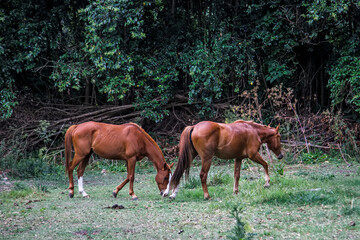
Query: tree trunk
x,y
87,91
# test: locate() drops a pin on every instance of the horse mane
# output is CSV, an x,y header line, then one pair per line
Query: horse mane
x,y
148,137
252,123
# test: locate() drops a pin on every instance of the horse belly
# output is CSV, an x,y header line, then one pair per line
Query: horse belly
x,y
109,148
230,153
108,153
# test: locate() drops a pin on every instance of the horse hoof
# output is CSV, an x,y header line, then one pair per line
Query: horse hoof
x,y
86,196
71,195
114,194
172,198
266,185
135,198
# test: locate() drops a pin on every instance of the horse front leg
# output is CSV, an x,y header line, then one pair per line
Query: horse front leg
x,y
257,158
206,163
174,192
237,169
129,178
118,188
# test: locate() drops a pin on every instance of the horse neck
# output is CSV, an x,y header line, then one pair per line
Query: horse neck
x,y
264,132
152,150
155,155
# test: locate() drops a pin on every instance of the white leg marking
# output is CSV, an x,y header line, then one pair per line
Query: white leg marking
x,y
168,187
174,192
267,179
81,187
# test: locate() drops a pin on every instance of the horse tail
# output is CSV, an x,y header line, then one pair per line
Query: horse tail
x,y
187,153
68,145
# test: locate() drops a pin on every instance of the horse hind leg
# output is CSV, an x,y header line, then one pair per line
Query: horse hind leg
x,y
76,160
80,173
131,177
206,163
175,189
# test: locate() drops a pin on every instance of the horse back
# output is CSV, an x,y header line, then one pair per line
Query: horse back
x,y
238,140
108,140
225,141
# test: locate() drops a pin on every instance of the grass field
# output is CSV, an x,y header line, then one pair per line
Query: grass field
x,y
307,202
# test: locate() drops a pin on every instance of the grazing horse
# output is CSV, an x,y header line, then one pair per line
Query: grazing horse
x,y
127,142
239,140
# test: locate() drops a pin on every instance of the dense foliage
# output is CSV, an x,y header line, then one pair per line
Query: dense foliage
x,y
146,52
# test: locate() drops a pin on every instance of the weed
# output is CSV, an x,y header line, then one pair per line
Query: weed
x,y
279,168
192,182
325,177
239,231
305,197
301,173
111,165
20,190
219,178
20,186
42,188
348,210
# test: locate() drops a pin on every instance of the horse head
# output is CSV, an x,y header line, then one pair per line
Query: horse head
x,y
273,143
163,179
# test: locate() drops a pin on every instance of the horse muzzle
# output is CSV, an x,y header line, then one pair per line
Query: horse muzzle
x,y
164,193
280,156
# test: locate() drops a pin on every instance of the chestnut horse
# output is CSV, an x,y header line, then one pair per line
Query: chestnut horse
x,y
127,142
239,140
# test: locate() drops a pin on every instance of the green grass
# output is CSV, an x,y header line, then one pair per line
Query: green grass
x,y
307,202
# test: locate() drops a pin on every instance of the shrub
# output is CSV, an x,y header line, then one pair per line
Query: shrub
x,y
33,165
314,157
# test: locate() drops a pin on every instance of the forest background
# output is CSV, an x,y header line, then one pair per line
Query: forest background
x,y
168,64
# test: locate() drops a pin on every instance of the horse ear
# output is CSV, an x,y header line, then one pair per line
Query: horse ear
x,y
277,128
168,166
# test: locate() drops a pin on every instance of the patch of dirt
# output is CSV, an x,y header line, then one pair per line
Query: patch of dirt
x,y
115,206
5,184
81,233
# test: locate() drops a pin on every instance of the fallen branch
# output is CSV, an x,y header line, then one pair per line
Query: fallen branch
x,y
295,144
342,155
